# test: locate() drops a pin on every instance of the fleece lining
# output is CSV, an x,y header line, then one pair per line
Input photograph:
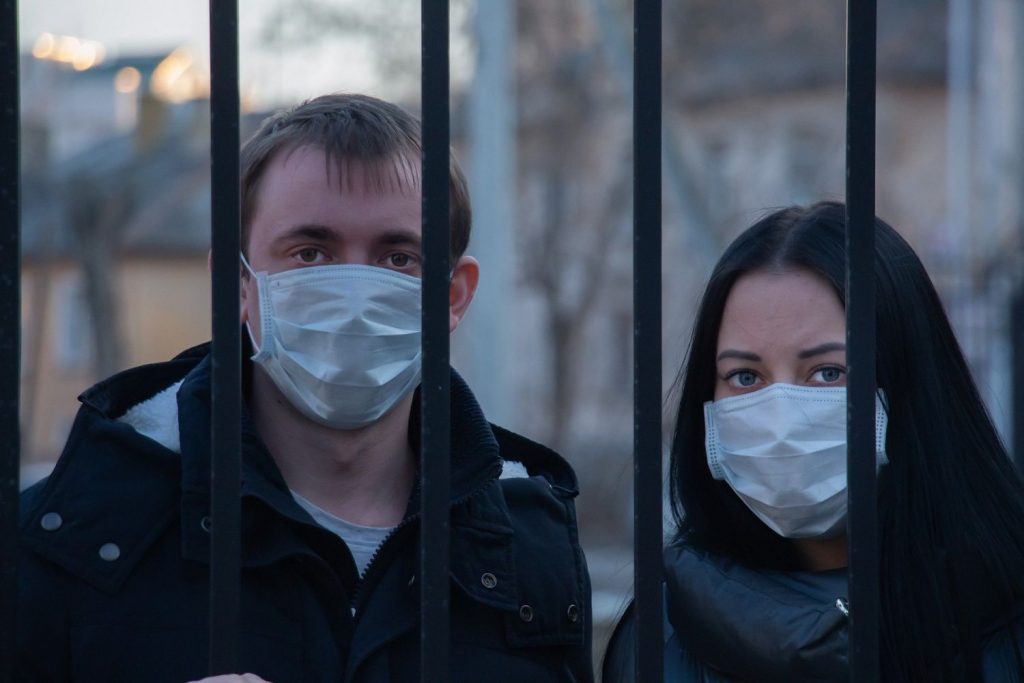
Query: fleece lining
x,y
157,418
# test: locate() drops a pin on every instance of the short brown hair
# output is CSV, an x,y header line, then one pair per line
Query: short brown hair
x,y
351,129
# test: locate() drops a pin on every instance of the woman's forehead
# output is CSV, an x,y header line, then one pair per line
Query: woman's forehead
x,y
781,309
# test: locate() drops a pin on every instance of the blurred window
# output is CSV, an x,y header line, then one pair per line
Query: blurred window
x,y
74,349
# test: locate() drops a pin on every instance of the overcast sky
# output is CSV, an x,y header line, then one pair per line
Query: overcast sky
x,y
272,74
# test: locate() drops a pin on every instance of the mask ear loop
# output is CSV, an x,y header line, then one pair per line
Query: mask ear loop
x,y
248,326
245,263
881,425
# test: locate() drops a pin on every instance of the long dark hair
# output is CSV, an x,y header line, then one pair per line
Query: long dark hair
x,y
951,505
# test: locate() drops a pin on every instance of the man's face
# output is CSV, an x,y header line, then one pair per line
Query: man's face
x,y
304,217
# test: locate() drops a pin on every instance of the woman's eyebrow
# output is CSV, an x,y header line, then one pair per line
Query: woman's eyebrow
x,y
742,355
822,348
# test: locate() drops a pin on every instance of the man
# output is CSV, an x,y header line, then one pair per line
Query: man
x,y
116,543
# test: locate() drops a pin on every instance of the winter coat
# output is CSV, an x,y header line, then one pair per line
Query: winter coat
x,y
728,623
113,569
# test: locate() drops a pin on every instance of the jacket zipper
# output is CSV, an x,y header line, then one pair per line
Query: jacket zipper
x,y
360,587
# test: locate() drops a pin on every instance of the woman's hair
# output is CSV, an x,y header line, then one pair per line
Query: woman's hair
x,y
951,505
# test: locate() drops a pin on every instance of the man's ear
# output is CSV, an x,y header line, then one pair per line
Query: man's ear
x,y
243,313
465,277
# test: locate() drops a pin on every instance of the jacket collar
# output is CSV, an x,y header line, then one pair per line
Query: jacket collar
x,y
787,624
475,457
115,485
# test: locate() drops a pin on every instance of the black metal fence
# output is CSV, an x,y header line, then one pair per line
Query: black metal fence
x,y
10,329
434,391
860,339
647,485
435,388
226,423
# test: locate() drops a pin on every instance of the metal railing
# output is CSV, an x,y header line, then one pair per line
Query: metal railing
x,y
435,438
10,330
862,491
226,384
647,390
435,484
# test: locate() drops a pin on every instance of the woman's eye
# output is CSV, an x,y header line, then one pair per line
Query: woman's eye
x,y
829,375
743,378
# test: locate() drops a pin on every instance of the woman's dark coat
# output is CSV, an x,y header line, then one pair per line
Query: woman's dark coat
x,y
726,623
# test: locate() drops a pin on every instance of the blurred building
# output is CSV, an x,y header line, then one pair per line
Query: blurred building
x,y
115,227
754,119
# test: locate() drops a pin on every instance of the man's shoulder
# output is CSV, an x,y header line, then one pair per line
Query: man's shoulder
x,y
551,584
538,489
113,489
99,511
533,460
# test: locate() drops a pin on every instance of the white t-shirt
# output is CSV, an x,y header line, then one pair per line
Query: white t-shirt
x,y
362,541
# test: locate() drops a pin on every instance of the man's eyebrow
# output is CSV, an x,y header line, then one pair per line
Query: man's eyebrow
x,y
311,231
399,236
821,348
742,355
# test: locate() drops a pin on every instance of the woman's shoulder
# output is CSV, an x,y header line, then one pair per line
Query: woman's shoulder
x,y
790,625
1002,656
680,665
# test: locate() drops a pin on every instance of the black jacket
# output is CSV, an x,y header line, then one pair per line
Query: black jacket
x,y
725,623
113,571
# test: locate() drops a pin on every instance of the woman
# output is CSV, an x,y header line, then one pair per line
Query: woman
x,y
756,574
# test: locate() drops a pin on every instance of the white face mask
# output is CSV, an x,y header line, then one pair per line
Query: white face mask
x,y
782,449
341,342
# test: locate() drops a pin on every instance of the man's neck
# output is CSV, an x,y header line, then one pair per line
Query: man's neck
x,y
364,476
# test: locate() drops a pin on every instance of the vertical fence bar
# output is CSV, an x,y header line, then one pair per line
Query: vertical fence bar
x,y
647,497
860,340
10,330
1017,376
225,432
435,438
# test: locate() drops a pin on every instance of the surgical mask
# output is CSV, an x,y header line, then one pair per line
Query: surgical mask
x,y
341,342
782,449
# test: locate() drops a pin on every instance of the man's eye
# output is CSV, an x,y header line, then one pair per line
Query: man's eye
x,y
308,255
399,260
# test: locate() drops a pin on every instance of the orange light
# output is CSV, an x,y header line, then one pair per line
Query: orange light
x,y
44,46
67,48
127,80
85,57
80,54
176,78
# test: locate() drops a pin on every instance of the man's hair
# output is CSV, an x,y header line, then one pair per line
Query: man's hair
x,y
381,137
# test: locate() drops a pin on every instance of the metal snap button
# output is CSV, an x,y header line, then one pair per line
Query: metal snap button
x,y
51,521
573,613
489,580
206,523
109,552
526,613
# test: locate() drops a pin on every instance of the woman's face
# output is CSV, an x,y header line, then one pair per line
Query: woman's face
x,y
780,326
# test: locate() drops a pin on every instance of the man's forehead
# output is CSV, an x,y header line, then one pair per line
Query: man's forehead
x,y
398,172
